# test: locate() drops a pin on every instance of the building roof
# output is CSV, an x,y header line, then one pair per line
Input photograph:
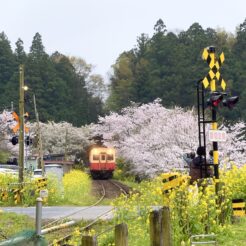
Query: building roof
x,y
46,162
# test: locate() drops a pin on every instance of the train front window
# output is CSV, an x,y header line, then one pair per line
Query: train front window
x,y
110,157
103,157
96,157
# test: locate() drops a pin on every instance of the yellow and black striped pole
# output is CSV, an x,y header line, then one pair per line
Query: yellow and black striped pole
x,y
212,76
17,196
214,120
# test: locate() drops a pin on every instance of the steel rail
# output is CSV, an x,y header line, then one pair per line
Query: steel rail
x,y
67,237
120,187
78,211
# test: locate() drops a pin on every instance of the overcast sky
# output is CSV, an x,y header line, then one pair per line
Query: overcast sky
x,y
99,30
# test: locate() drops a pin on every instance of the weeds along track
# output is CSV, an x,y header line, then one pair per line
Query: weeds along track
x,y
124,189
60,220
63,241
104,189
113,188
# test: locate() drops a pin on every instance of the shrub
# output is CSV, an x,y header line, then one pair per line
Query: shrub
x,y
55,189
73,189
235,179
194,210
77,186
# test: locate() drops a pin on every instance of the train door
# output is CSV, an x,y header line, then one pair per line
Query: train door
x,y
103,160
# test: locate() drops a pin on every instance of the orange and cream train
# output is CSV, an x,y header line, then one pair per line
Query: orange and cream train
x,y
101,162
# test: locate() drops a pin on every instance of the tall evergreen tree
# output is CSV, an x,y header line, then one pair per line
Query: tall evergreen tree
x,y
20,52
169,66
121,88
239,69
37,48
7,66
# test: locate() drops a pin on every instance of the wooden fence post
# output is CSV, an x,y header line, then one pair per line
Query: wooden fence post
x,y
121,235
155,228
166,227
89,241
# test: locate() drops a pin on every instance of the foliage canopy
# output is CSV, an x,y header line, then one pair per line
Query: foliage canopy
x,y
60,89
168,65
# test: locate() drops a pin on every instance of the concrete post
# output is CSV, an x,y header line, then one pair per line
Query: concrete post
x,y
38,215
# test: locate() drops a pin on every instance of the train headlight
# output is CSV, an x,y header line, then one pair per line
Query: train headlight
x,y
110,151
95,151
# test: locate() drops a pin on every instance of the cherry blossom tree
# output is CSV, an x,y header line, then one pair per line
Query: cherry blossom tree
x,y
154,139
7,122
57,138
150,137
61,137
233,151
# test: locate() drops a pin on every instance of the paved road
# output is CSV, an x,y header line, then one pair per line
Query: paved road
x,y
85,213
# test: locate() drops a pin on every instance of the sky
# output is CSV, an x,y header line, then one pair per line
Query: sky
x,y
100,30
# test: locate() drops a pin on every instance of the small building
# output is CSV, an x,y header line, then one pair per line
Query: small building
x,y
66,165
55,169
31,162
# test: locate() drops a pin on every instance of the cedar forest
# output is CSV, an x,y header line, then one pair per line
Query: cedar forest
x,y
166,66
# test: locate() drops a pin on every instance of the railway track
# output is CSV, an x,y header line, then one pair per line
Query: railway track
x,y
113,188
104,189
103,193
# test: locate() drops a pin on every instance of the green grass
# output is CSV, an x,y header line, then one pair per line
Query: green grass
x,y
236,235
11,224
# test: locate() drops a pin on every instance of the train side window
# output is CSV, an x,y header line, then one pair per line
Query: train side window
x,y
110,157
95,157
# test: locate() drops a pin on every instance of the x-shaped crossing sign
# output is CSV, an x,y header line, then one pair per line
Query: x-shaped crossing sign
x,y
214,69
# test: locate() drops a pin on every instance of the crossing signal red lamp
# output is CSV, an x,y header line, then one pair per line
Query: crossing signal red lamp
x,y
215,99
230,102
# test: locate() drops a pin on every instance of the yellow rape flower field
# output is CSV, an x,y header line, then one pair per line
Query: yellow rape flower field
x,y
74,189
194,209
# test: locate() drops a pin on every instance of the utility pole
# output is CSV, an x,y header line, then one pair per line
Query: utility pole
x,y
40,145
21,118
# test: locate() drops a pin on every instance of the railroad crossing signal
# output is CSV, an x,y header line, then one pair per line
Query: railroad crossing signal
x,y
214,64
17,126
216,97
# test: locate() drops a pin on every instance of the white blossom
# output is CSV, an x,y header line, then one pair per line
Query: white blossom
x,y
154,139
58,138
150,137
